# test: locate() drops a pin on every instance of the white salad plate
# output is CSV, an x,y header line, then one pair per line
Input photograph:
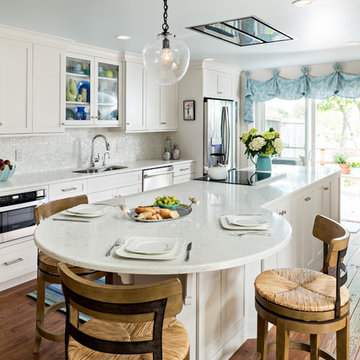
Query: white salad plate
x,y
146,245
224,221
246,220
87,210
170,255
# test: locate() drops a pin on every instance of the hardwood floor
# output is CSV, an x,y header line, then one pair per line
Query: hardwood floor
x,y
17,319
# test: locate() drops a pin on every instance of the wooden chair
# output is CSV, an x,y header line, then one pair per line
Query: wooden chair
x,y
47,271
126,319
306,301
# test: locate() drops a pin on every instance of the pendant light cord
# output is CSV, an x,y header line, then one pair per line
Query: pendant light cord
x,y
165,25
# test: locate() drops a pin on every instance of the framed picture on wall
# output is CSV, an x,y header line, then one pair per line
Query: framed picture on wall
x,y
189,110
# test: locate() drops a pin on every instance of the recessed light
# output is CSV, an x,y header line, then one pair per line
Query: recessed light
x,y
353,43
209,59
302,2
123,37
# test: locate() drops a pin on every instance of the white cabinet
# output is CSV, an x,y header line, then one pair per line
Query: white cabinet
x,y
109,186
48,94
15,87
92,91
67,189
184,172
300,210
148,106
218,84
134,90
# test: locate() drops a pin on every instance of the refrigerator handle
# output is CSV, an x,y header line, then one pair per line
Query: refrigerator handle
x,y
226,134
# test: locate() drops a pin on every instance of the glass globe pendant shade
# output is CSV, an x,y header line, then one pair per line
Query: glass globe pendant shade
x,y
166,59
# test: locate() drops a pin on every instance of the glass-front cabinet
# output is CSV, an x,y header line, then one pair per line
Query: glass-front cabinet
x,y
92,92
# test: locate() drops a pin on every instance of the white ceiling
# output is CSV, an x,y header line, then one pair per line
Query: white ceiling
x,y
320,31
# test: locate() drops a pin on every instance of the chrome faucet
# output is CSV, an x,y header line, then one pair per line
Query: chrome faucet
x,y
92,160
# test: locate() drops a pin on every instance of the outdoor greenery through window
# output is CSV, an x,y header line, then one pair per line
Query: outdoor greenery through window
x,y
338,130
288,118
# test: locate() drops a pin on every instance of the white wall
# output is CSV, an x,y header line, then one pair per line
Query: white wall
x,y
72,149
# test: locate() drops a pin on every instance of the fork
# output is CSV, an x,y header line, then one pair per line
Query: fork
x,y
116,243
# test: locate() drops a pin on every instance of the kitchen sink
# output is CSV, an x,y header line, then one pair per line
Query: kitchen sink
x,y
99,170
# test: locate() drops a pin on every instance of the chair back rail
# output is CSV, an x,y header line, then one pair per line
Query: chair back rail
x,y
45,210
336,240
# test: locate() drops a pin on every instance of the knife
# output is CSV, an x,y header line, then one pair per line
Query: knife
x,y
188,249
74,220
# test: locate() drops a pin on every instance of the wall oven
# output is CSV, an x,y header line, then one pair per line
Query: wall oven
x,y
17,218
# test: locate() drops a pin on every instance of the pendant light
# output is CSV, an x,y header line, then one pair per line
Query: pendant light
x,y
166,58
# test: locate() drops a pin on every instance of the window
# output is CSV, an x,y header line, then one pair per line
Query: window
x,y
288,118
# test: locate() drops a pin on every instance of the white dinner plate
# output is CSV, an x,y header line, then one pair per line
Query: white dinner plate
x,y
102,211
146,245
173,254
246,220
87,209
226,225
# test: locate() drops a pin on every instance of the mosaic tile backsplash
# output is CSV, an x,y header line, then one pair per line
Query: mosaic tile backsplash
x,y
72,149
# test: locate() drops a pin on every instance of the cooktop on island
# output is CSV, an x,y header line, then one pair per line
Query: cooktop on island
x,y
247,177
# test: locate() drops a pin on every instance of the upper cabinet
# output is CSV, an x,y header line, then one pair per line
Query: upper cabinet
x,y
48,89
218,84
15,86
149,107
92,91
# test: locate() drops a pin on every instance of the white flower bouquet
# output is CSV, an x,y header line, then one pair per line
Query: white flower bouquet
x,y
264,143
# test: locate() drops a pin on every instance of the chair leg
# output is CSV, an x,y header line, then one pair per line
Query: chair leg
x,y
282,341
342,341
262,334
314,346
109,279
40,309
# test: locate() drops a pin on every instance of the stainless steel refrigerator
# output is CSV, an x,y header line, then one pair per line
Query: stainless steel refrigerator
x,y
220,132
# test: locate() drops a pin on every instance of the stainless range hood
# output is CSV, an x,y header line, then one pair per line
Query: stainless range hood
x,y
243,31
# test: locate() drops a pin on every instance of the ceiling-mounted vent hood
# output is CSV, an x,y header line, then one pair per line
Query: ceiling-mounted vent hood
x,y
243,32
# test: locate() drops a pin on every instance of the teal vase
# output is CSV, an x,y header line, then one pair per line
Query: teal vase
x,y
263,163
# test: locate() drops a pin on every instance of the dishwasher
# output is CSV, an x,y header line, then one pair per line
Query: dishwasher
x,y
158,177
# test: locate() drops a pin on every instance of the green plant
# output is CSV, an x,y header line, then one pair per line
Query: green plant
x,y
266,143
354,165
340,158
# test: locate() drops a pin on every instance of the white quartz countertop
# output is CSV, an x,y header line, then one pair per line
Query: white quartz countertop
x,y
213,248
21,181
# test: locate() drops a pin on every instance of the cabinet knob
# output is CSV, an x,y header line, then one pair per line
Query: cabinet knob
x,y
127,123
92,117
62,124
308,198
282,212
1,123
220,92
326,188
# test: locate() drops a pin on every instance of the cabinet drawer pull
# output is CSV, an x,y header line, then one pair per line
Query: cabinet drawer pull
x,y
11,262
163,123
308,198
69,189
282,212
326,188
127,123
184,169
220,92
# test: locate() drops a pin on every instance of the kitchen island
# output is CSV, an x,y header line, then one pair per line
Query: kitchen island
x,y
218,279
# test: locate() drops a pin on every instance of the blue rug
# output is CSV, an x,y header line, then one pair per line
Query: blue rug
x,y
53,295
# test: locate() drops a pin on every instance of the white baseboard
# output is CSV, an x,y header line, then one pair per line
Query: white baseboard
x,y
17,281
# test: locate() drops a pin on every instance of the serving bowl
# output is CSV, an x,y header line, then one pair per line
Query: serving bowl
x,y
171,207
6,173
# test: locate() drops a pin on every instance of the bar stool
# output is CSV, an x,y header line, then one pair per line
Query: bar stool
x,y
126,320
306,301
47,271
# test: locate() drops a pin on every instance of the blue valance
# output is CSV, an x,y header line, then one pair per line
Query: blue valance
x,y
336,83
